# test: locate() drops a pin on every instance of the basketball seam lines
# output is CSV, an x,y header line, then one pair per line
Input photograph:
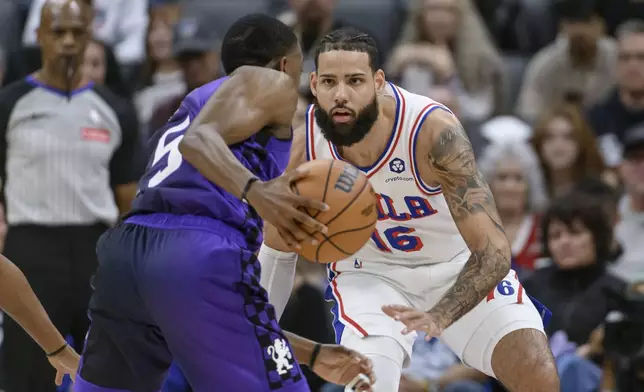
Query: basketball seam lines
x,y
328,239
349,203
326,187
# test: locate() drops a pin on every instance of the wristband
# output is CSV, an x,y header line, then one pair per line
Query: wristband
x,y
314,355
54,353
250,182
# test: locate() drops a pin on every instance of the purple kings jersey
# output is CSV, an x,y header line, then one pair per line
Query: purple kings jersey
x,y
171,185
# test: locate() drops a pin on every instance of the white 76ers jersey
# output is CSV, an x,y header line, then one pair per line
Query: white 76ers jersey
x,y
414,225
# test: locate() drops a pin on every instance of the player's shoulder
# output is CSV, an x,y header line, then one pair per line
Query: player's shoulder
x,y
199,96
416,103
420,111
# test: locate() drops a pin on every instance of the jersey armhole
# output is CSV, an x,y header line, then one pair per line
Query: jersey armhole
x,y
309,124
413,141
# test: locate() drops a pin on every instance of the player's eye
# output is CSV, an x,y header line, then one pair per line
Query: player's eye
x,y
354,81
328,82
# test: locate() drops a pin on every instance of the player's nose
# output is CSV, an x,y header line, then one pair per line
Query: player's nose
x,y
341,95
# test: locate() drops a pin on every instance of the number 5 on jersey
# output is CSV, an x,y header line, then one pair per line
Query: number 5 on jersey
x,y
170,149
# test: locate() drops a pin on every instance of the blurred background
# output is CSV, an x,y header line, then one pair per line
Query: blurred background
x,y
551,93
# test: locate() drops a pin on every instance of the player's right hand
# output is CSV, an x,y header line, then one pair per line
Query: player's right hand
x,y
277,204
65,363
343,366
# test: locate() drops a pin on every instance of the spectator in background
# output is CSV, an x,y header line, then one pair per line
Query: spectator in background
x,y
514,174
434,367
567,149
519,26
576,287
630,227
311,20
578,242
162,76
624,107
578,67
119,23
444,42
616,12
3,64
196,48
100,66
67,161
605,194
10,26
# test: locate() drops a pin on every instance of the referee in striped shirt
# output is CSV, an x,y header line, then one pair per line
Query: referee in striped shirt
x,y
67,161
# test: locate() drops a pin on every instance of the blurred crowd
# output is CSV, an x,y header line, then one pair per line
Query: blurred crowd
x,y
551,93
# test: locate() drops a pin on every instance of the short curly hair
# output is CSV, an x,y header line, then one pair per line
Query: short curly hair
x,y
255,39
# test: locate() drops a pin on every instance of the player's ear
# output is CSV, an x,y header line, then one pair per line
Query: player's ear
x,y
379,79
313,83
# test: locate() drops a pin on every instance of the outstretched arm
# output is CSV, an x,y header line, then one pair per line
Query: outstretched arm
x,y
18,300
451,160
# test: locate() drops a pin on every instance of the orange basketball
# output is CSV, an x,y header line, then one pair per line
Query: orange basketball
x,y
352,215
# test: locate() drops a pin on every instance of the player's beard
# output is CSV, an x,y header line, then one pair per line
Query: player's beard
x,y
347,134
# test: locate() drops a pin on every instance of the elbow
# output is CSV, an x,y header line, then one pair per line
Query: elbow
x,y
505,259
191,147
500,263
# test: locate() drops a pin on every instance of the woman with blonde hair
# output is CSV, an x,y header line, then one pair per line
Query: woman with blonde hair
x,y
444,42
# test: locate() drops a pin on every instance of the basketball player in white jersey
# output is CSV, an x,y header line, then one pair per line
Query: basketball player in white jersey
x,y
439,260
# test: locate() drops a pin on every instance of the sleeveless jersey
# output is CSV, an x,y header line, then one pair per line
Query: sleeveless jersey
x,y
414,226
171,185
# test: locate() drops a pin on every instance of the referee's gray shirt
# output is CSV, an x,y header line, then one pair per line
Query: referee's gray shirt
x,y
61,154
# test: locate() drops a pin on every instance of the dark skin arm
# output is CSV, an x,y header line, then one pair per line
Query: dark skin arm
x,y
251,99
334,363
272,237
124,196
18,300
261,97
450,162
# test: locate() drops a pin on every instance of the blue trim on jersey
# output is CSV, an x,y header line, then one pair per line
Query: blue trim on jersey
x,y
37,83
414,140
338,327
389,142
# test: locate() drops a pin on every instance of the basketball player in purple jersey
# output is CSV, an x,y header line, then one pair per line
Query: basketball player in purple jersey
x,y
178,278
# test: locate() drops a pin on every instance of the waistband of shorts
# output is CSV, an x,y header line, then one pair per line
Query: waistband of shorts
x,y
189,222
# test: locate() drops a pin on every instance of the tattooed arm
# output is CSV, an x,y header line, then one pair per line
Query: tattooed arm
x,y
451,162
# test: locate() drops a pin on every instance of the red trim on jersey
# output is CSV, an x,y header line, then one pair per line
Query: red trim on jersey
x,y
526,248
310,132
336,293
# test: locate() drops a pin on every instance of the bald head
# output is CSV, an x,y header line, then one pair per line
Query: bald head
x,y
63,34
53,9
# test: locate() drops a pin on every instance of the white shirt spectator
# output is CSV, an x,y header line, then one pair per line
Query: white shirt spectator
x,y
630,232
121,24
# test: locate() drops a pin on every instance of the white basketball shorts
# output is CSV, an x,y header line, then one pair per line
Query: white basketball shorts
x,y
359,289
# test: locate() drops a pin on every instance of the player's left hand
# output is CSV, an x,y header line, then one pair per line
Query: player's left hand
x,y
416,320
340,365
65,363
